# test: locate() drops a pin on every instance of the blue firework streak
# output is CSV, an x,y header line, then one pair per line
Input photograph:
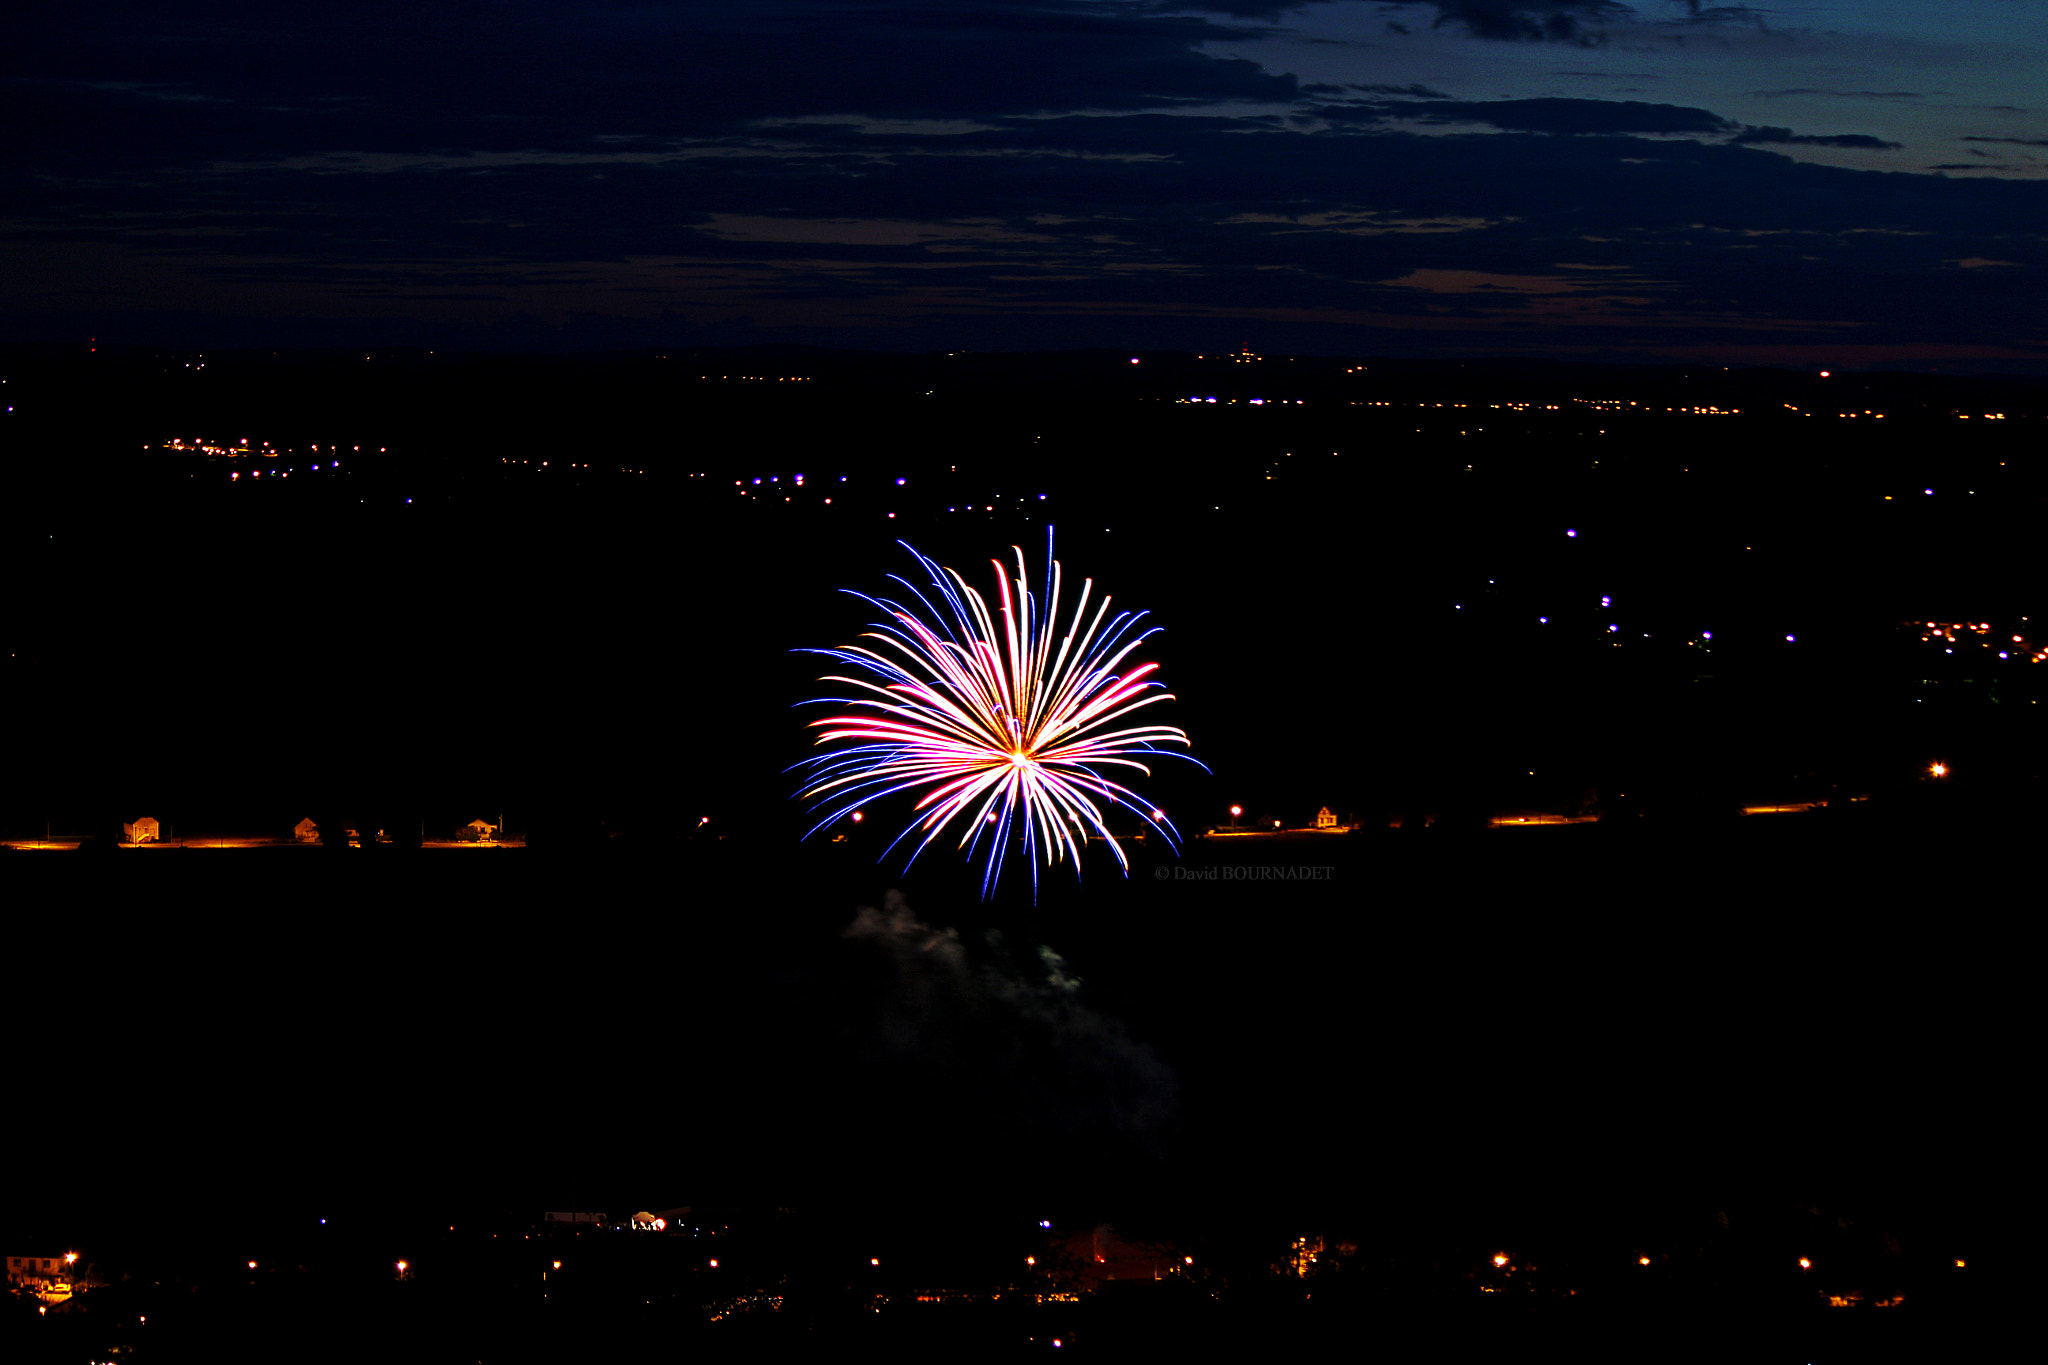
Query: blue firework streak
x,y
1003,720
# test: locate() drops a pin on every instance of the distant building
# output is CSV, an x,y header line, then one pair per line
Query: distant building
x,y
35,1269
306,832
1326,818
143,831
480,830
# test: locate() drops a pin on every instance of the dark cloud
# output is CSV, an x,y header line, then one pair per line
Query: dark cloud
x,y
1559,115
1530,20
993,173
1570,21
1418,91
1767,134
1565,21
454,75
2016,141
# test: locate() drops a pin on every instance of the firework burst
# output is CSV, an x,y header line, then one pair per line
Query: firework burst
x,y
1004,720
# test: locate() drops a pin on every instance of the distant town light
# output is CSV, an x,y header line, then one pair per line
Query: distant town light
x,y
1571,534
1805,1264
1500,1258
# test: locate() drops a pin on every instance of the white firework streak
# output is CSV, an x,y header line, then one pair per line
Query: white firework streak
x,y
996,717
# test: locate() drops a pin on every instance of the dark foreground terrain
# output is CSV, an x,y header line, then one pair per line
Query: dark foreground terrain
x,y
1718,1047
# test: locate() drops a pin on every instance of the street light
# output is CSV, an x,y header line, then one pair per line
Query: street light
x,y
1235,811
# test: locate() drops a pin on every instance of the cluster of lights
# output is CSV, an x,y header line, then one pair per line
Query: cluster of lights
x,y
754,378
1946,635
1197,399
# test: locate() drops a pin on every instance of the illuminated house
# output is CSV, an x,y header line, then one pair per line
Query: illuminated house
x,y
47,1277
34,1269
143,831
306,831
1326,818
480,830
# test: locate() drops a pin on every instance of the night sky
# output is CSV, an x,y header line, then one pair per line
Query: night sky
x,y
1798,184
